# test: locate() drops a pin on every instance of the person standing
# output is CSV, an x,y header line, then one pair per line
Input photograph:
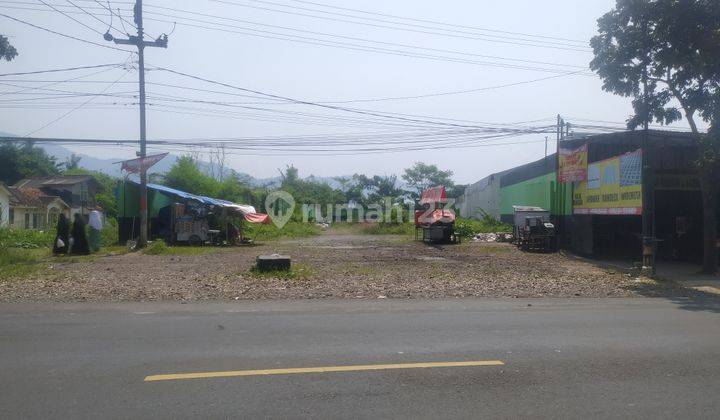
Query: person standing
x,y
62,236
80,243
95,228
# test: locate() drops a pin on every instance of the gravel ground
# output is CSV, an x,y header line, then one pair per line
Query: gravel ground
x,y
332,266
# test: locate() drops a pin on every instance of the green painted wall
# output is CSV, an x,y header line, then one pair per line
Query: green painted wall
x,y
539,191
129,204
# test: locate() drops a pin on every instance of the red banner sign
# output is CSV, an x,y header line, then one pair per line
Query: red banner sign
x,y
135,166
573,164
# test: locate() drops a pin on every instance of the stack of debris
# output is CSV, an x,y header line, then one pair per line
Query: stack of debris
x,y
493,237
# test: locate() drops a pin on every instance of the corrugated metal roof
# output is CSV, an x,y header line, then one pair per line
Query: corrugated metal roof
x,y
203,199
51,181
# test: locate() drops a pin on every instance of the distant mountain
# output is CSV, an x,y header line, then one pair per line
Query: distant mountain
x,y
110,167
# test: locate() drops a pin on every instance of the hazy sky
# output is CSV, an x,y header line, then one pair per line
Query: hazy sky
x,y
316,73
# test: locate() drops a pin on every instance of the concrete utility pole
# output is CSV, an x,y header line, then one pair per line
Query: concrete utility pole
x,y
648,188
140,43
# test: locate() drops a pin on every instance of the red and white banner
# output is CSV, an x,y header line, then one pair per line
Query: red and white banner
x,y
135,166
573,164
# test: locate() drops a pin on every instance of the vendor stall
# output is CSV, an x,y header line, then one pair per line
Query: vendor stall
x,y
180,217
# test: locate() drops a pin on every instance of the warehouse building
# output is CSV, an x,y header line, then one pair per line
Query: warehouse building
x,y
595,190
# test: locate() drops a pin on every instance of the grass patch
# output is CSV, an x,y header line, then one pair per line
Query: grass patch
x,y
292,229
26,238
109,232
298,271
160,248
468,228
18,262
388,228
490,249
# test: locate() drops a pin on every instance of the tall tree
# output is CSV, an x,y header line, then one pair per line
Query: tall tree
x,y
665,54
7,51
72,162
186,176
383,187
422,176
18,161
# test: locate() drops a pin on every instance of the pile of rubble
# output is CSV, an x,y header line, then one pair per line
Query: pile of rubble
x,y
494,237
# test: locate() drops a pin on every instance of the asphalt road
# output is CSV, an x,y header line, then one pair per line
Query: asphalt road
x,y
563,358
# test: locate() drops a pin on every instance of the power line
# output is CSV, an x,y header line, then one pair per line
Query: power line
x,y
62,69
123,21
24,89
438,22
396,98
95,16
71,18
356,47
475,37
61,117
60,34
478,142
332,35
345,45
316,104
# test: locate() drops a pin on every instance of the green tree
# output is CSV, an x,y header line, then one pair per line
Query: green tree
x,y
18,161
422,176
186,176
72,161
382,187
663,52
7,51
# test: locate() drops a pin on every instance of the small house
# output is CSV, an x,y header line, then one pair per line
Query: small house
x,y
31,208
77,191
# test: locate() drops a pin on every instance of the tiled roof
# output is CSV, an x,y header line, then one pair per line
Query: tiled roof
x,y
31,197
50,181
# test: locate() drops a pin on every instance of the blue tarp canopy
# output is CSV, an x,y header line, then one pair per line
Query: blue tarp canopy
x,y
245,209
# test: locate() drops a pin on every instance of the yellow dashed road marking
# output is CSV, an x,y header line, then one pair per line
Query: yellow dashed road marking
x,y
322,369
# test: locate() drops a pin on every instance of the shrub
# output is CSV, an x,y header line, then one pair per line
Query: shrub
x,y
157,248
26,238
468,227
109,233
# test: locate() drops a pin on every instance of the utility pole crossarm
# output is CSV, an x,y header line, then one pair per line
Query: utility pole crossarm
x,y
134,40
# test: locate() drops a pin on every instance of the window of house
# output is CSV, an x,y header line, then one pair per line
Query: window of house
x,y
36,220
12,216
27,220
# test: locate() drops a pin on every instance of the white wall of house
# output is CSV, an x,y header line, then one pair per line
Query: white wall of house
x,y
38,218
28,218
4,207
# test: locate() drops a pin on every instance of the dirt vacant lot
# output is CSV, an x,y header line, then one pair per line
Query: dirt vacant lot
x,y
331,265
